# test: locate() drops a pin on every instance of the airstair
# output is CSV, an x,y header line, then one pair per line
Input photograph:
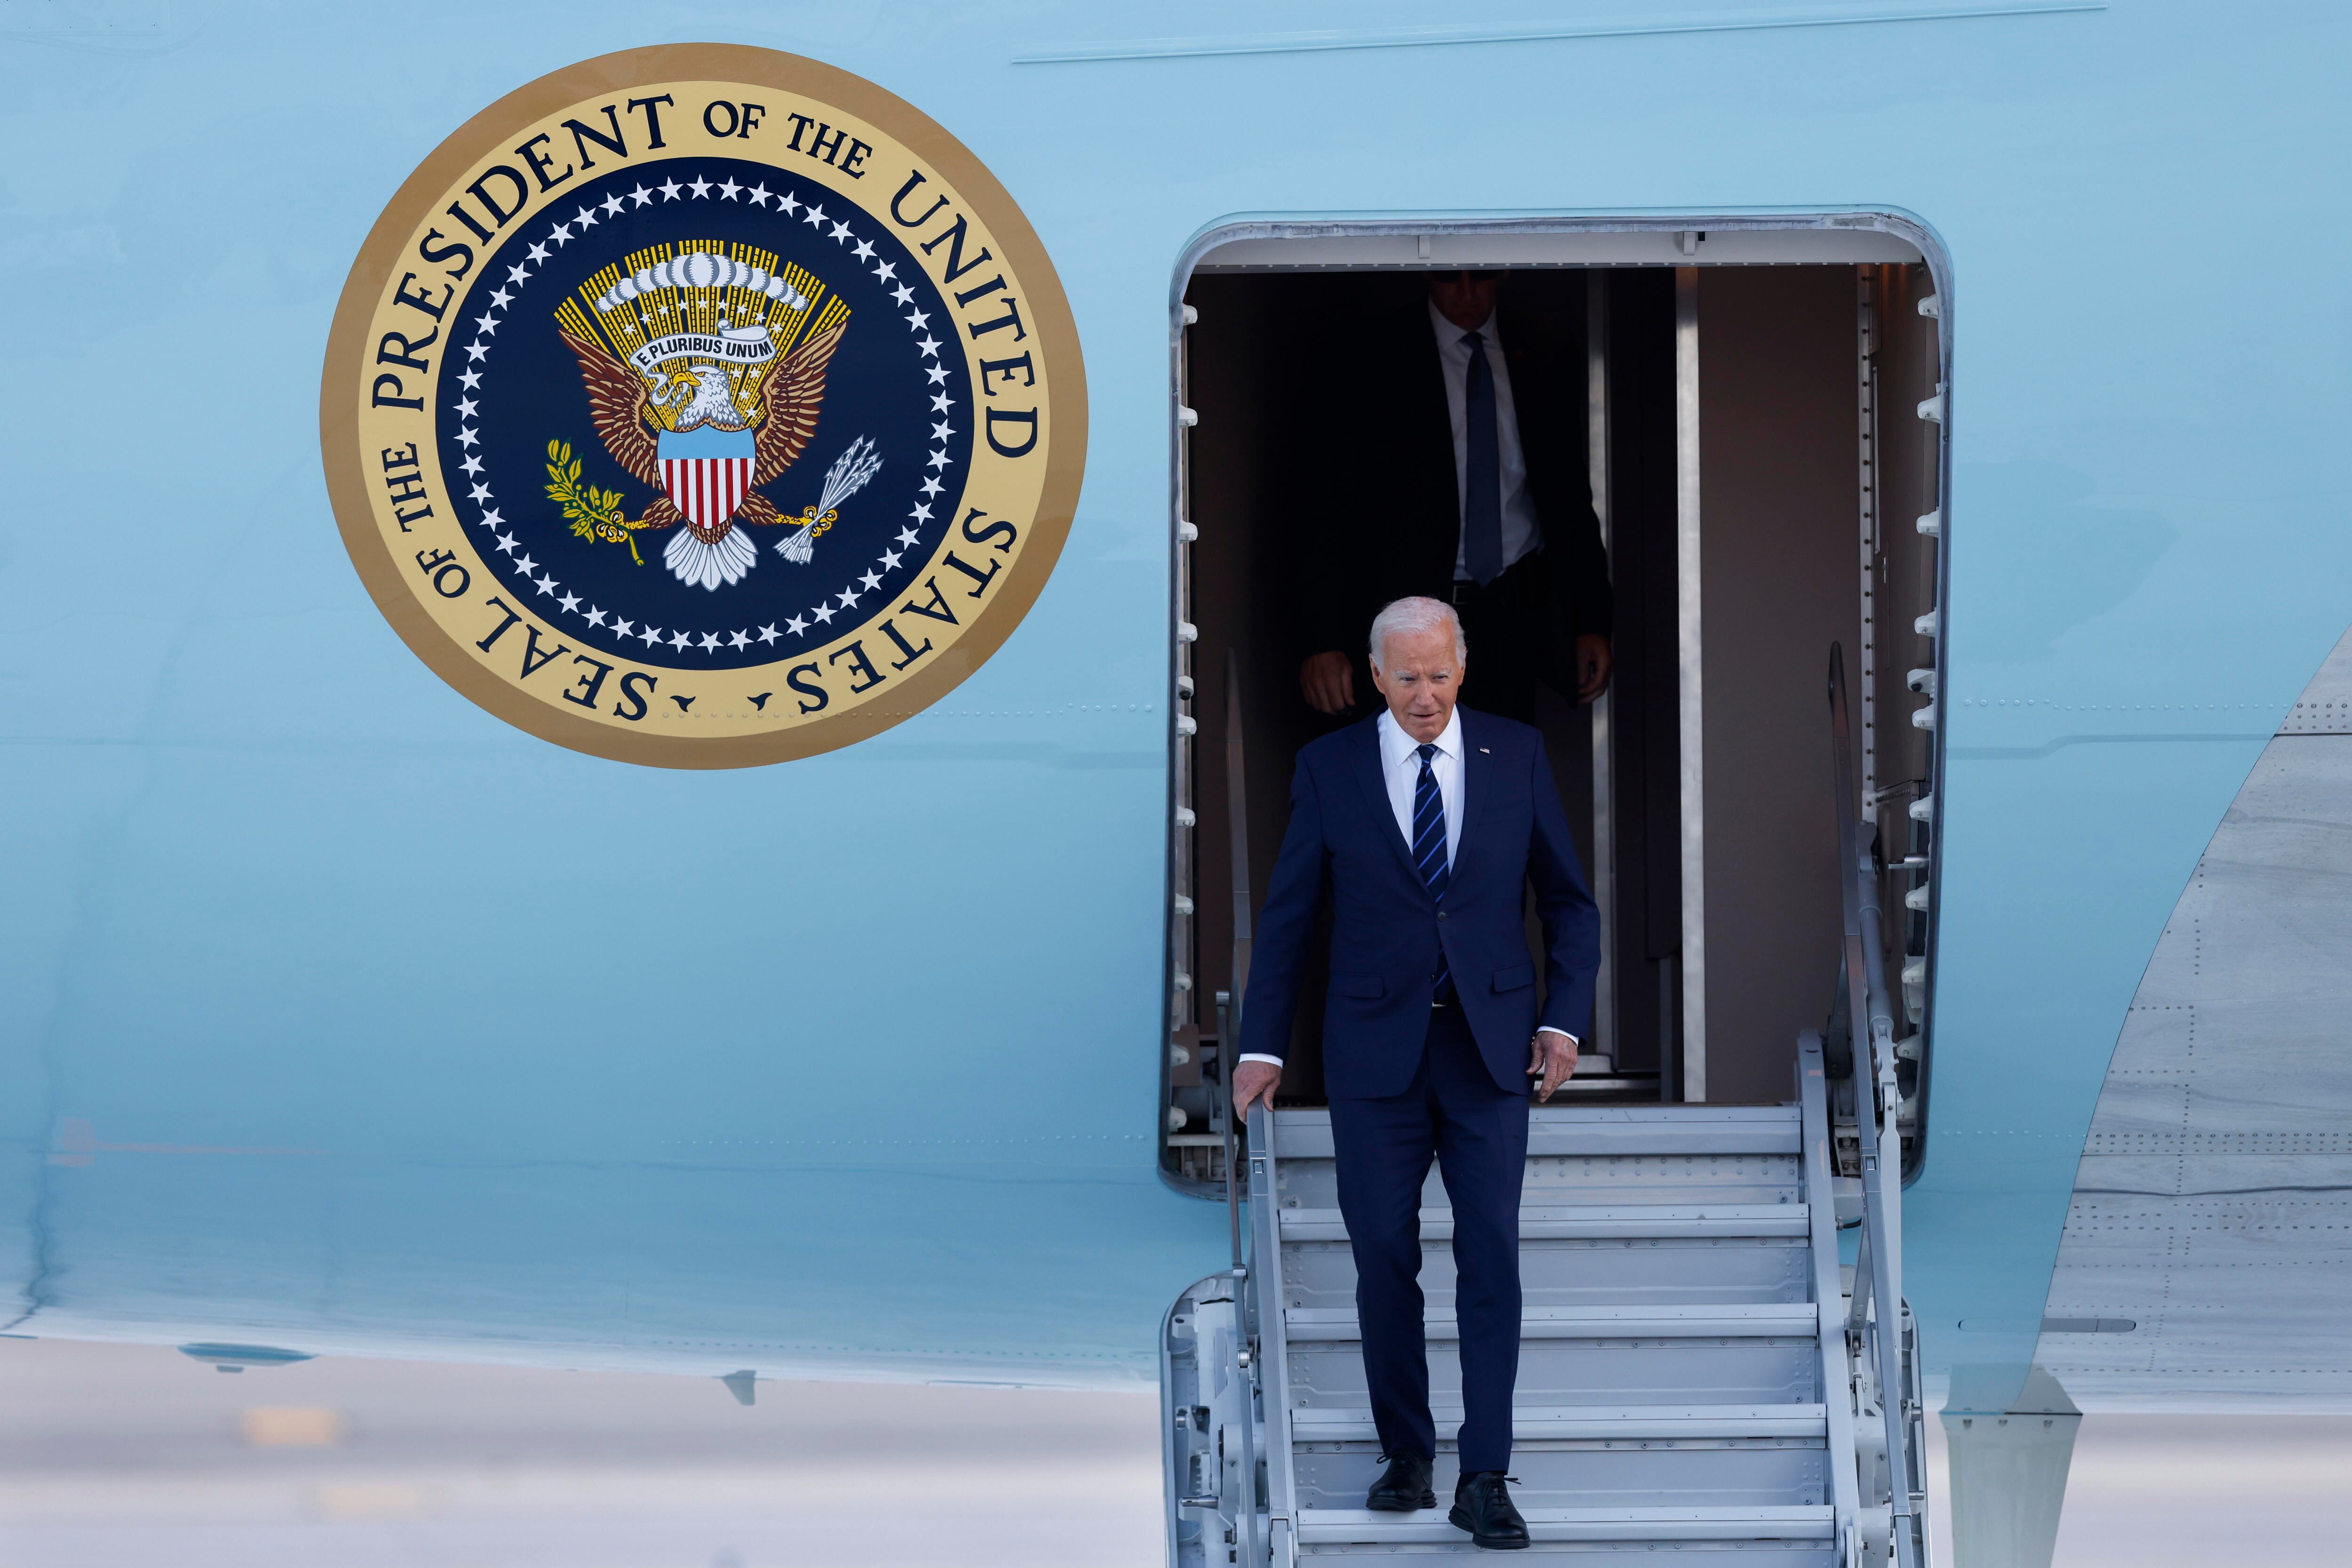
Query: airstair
x,y
1698,1373
1686,1376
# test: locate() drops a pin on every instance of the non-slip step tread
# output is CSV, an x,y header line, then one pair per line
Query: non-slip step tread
x,y
1766,1320
1577,1222
1606,1423
1336,1525
1595,1115
1307,1135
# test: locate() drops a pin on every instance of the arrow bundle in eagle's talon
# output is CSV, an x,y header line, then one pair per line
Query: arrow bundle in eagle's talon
x,y
847,476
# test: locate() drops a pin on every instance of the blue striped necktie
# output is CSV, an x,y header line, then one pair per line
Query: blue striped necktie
x,y
1429,850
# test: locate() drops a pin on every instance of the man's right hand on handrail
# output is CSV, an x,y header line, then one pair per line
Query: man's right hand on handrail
x,y
1255,1081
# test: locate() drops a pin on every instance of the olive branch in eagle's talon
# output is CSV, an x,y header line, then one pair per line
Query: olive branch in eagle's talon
x,y
595,513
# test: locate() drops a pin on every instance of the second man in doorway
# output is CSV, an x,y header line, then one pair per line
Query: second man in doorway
x,y
1461,476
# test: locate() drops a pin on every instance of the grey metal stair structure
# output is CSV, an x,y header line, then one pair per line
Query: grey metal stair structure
x,y
1693,1374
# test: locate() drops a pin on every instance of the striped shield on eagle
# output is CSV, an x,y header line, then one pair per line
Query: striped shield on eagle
x,y
707,471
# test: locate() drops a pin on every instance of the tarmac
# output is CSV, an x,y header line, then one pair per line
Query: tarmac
x,y
136,1456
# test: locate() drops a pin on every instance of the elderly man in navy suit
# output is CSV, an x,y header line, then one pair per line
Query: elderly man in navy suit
x,y
1427,824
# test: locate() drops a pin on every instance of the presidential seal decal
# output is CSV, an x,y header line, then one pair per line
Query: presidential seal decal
x,y
703,407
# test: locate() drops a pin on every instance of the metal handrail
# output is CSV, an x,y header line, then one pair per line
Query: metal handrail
x,y
1271,1363
1258,1344
1228,1055
1878,1272
1241,1366
1812,1098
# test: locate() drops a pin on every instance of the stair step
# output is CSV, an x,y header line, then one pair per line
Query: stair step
x,y
1626,1271
1586,1222
1356,1526
1602,1422
1770,1319
1596,1129
1686,1472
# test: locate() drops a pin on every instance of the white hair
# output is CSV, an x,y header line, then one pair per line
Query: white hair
x,y
1412,616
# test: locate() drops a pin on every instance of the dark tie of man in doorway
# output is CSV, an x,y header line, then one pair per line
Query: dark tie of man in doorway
x,y
1459,474
1482,487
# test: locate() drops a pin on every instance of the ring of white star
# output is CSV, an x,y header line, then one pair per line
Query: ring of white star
x,y
588,216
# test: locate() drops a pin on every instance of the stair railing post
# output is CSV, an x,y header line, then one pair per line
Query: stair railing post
x,y
1915,1404
1243,1368
1265,1378
1272,1363
1883,1215
1883,1210
1877,1103
1225,1050
1877,1106
1838,1349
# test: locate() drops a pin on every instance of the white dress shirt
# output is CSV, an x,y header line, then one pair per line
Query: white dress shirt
x,y
1401,769
1521,534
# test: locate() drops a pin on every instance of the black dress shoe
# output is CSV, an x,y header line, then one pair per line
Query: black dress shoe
x,y
1482,1505
1404,1487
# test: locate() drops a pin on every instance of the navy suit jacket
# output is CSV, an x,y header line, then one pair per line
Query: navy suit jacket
x,y
1388,934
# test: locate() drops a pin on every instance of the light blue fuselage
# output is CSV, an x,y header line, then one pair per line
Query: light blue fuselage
x,y
345,1017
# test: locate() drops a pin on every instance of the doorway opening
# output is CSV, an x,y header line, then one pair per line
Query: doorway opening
x,y
1757,408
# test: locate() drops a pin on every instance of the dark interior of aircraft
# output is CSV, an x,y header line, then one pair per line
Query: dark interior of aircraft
x,y
1814,466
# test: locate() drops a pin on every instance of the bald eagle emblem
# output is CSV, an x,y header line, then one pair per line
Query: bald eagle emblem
x,y
704,367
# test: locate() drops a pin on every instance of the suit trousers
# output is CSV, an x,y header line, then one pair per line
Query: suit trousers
x,y
1503,622
1478,1134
